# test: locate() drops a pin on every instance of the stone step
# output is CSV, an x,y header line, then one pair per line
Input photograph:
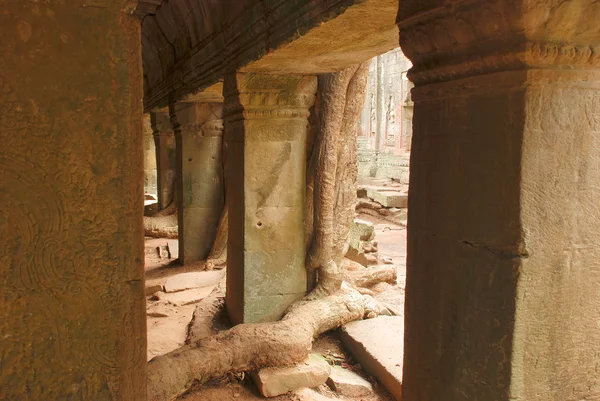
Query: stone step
x,y
272,382
378,345
347,383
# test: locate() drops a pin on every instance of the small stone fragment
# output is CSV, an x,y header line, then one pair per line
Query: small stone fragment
x,y
272,382
387,260
348,383
186,281
186,297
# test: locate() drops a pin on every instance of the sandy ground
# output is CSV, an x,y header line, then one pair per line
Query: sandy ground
x,y
168,333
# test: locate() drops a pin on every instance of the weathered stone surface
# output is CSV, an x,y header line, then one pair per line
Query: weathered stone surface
x,y
164,145
199,133
347,383
72,312
389,198
357,256
181,50
266,174
363,230
308,394
186,281
272,382
381,355
186,297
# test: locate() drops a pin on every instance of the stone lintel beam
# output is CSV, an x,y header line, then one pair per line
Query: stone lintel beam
x,y
503,268
187,49
199,136
266,130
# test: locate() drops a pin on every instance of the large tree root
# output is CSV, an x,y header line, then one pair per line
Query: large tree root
x,y
161,226
253,346
218,254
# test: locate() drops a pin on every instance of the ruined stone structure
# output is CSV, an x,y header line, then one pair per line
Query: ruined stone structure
x,y
502,298
386,120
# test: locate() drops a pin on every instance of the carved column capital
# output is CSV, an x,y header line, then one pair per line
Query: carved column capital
x,y
213,128
160,123
467,38
251,96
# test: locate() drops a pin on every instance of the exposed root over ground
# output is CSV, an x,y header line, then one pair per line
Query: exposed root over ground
x,y
251,346
161,226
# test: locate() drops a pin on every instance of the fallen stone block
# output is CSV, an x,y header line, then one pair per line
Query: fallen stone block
x,y
186,281
187,297
389,198
151,289
380,355
348,383
357,256
272,382
363,230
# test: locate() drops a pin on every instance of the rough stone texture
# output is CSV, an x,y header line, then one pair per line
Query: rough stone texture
x,y
379,354
388,198
272,382
502,299
149,158
186,281
347,383
199,135
71,188
266,128
164,146
186,297
189,45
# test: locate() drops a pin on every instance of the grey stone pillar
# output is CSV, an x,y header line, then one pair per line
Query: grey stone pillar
x,y
149,157
503,270
199,133
164,141
265,130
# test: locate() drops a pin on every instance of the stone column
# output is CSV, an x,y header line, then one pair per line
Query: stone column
x,y
199,135
265,130
164,141
149,158
72,314
503,271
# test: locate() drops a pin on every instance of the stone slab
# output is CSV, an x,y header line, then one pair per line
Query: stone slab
x,y
187,281
389,198
272,382
187,297
378,344
347,383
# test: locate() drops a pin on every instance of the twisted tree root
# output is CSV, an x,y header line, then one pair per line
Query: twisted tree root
x,y
253,346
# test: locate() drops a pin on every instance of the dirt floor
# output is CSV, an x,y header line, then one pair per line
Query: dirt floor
x,y
168,324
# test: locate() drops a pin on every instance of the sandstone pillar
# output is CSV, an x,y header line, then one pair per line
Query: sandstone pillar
x,y
503,270
266,130
149,158
199,135
72,314
164,141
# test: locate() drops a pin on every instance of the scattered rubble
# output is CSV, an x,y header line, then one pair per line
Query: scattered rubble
x,y
347,383
272,382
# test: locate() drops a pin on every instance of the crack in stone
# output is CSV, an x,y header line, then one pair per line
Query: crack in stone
x,y
502,253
